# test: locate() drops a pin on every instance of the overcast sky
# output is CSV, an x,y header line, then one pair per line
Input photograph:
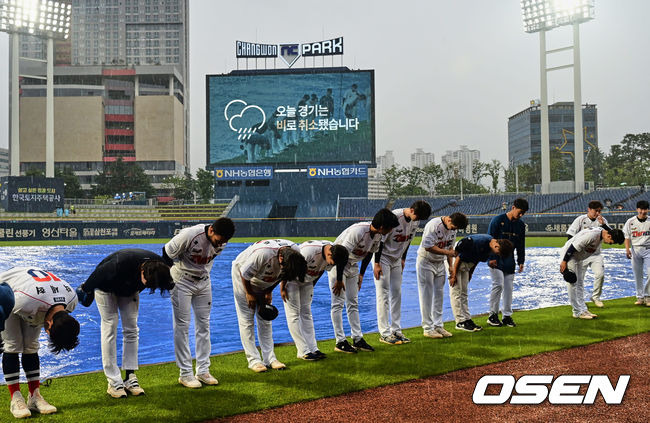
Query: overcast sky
x,y
446,72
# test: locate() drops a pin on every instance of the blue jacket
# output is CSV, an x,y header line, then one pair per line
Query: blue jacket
x,y
474,248
514,230
6,303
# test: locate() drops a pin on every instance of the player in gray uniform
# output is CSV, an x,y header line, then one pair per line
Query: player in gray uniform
x,y
320,256
637,248
593,219
388,265
255,272
573,254
436,248
361,240
42,300
190,255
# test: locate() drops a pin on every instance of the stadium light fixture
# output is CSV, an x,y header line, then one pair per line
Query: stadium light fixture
x,y
39,18
544,15
45,19
541,16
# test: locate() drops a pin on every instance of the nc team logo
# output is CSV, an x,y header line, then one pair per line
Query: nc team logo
x,y
289,53
243,118
533,389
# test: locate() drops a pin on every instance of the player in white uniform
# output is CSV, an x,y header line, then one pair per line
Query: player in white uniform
x,y
361,240
320,256
593,219
190,255
41,300
637,248
255,272
574,252
388,265
436,247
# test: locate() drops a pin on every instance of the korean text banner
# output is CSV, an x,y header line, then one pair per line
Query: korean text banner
x,y
338,171
298,118
243,173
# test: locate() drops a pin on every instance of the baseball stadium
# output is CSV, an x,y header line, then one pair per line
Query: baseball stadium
x,y
298,278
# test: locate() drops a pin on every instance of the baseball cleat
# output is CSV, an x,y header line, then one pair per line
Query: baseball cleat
x,y
598,303
401,337
345,347
37,403
390,340
475,327
278,365
466,326
207,378
310,357
507,321
647,302
319,355
443,332
18,406
258,368
432,334
585,315
132,386
116,392
189,381
362,345
593,316
639,301
493,320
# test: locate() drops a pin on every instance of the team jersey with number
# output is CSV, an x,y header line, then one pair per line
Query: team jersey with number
x,y
259,262
396,242
358,241
586,243
192,252
36,291
312,251
435,233
584,222
637,231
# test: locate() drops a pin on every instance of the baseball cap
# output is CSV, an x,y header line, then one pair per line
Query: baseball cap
x,y
267,311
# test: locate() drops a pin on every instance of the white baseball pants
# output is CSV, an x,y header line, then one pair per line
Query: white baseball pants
x,y
246,318
19,336
501,284
458,293
577,290
596,263
641,261
431,284
348,297
187,295
111,309
299,319
388,289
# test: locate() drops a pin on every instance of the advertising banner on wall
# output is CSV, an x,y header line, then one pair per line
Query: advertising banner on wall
x,y
31,194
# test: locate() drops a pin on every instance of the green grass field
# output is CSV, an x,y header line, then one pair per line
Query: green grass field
x,y
82,398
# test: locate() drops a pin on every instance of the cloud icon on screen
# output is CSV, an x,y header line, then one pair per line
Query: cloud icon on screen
x,y
244,118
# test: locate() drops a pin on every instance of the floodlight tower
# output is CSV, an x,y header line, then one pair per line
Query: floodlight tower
x,y
541,16
44,19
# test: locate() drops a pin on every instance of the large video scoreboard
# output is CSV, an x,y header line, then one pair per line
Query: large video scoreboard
x,y
295,118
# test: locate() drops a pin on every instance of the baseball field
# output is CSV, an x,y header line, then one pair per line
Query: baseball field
x,y
426,380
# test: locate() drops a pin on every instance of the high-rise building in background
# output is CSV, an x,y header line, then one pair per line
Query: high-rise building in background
x,y
120,87
384,163
421,159
464,157
4,162
524,133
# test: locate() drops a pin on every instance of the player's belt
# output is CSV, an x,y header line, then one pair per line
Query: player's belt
x,y
196,278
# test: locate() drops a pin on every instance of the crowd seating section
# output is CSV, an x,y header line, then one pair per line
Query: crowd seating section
x,y
193,211
359,208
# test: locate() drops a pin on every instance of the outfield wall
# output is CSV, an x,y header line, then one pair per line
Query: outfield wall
x,y
266,228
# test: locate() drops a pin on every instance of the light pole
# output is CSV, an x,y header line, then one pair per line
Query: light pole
x,y
44,19
541,16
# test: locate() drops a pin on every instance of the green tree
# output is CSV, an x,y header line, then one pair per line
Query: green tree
x,y
431,176
35,171
122,177
71,181
205,185
479,170
392,181
493,170
182,187
628,162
